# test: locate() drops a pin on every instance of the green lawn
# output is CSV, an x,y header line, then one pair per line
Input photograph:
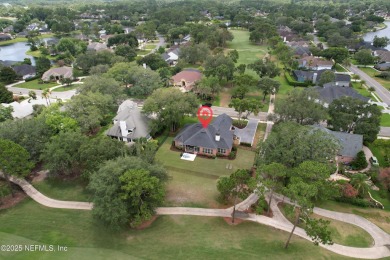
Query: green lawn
x,y
150,46
38,54
341,232
60,189
248,52
142,52
378,152
339,68
372,72
361,90
379,217
169,237
385,201
194,183
66,88
34,84
385,120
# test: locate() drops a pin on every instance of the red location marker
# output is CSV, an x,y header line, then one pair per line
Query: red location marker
x,y
205,115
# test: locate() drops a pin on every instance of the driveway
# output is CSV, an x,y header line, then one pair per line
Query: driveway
x,y
262,116
247,134
385,131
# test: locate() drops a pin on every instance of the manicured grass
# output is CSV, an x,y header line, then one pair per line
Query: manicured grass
x,y
38,54
150,46
384,200
339,68
248,52
361,90
194,183
385,120
169,237
341,232
378,152
379,217
143,52
66,88
34,84
372,73
60,189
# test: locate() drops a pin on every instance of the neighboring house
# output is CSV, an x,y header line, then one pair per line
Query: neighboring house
x,y
350,144
184,40
97,46
172,55
215,139
314,76
129,123
25,71
37,27
314,63
300,51
5,37
382,66
186,79
106,37
331,91
384,55
8,63
8,29
304,44
58,73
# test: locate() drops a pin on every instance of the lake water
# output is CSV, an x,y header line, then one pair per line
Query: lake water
x,y
369,37
16,52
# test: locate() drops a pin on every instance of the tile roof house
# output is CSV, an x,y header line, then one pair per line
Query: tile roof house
x,y
186,79
350,144
330,92
129,123
58,73
314,63
215,139
25,71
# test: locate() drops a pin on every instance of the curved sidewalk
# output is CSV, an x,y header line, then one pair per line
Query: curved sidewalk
x,y
379,250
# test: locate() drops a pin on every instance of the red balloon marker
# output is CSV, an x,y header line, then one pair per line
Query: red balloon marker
x,y
205,115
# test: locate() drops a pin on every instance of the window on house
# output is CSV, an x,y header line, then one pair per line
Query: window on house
x,y
196,149
221,150
208,151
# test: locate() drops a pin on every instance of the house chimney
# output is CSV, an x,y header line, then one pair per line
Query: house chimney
x,y
217,137
123,127
144,65
314,77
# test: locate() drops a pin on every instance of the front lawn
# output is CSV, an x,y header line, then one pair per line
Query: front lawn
x,y
34,84
379,152
385,120
169,237
372,73
339,68
361,90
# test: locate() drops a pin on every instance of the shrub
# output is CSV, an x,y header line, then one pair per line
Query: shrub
x,y
246,144
359,162
293,82
32,78
232,155
234,148
354,201
349,191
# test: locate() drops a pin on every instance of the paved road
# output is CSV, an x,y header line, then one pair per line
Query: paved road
x,y
381,91
262,116
385,131
23,91
378,250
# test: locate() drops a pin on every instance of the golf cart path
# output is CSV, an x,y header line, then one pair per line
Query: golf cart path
x,y
378,250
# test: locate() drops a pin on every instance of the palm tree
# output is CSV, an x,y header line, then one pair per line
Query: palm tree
x,y
359,182
46,94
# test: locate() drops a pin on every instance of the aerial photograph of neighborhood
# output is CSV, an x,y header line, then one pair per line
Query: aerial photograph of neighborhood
x,y
194,129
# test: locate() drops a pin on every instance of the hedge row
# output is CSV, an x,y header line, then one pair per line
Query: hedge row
x,y
293,82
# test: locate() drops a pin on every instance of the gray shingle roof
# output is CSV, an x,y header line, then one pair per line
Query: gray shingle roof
x,y
24,69
196,135
330,92
351,144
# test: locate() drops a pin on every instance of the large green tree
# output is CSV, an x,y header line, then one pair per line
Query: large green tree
x,y
6,96
126,191
170,106
291,144
301,107
265,68
268,86
103,85
42,64
244,107
14,160
326,77
353,115
7,75
6,113
237,185
219,66
364,57
381,42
